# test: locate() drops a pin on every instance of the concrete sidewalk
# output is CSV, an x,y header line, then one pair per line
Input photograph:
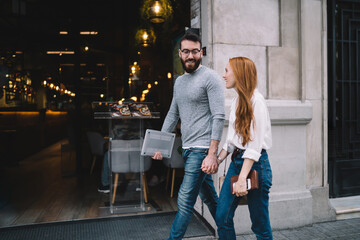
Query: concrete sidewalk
x,y
348,229
341,229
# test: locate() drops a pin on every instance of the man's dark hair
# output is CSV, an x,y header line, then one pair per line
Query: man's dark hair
x,y
190,36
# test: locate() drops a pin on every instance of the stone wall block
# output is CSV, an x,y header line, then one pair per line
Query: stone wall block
x,y
311,37
223,52
314,153
284,73
289,23
246,22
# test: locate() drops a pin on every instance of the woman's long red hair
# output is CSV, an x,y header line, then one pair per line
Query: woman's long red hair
x,y
245,83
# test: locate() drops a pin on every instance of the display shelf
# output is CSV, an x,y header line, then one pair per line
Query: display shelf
x,y
127,166
132,110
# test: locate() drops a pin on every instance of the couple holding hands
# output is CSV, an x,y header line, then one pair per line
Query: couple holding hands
x,y
198,101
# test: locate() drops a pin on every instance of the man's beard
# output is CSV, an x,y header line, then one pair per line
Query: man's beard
x,y
191,69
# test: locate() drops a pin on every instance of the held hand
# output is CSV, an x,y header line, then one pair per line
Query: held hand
x,y
157,156
240,188
209,164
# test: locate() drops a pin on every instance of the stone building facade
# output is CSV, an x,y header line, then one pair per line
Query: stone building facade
x,y
287,40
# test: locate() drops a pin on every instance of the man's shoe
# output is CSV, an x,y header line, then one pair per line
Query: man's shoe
x,y
104,189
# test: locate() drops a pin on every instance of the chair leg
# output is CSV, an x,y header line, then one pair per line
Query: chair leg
x,y
172,183
167,179
115,186
147,185
146,189
92,164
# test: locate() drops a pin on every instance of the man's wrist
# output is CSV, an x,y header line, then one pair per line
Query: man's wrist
x,y
212,153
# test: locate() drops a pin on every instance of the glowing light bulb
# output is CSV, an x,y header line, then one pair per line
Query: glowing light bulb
x,y
157,7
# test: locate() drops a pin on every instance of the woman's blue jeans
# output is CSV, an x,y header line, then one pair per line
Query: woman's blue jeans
x,y
195,183
258,201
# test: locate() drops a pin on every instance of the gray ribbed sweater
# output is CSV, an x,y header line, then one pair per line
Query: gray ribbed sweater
x,y
198,101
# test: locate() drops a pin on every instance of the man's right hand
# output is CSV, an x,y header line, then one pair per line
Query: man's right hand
x,y
157,156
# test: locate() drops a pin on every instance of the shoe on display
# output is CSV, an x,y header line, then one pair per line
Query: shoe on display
x,y
104,189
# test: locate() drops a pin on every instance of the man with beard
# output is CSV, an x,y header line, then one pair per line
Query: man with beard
x,y
198,101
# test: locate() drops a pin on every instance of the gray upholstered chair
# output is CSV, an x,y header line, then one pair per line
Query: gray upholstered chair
x,y
125,158
96,142
175,162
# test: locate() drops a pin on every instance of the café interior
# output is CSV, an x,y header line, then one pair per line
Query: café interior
x,y
63,66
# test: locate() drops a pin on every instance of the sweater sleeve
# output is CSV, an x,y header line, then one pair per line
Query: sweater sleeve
x,y
172,116
215,91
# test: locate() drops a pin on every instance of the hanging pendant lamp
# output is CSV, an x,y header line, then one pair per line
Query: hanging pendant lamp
x,y
145,37
156,11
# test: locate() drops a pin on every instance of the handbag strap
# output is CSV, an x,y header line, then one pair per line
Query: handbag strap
x,y
225,167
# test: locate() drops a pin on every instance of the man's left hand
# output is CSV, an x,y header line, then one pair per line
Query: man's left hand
x,y
209,164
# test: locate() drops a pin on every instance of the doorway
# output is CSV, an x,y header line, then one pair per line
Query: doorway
x,y
77,52
344,97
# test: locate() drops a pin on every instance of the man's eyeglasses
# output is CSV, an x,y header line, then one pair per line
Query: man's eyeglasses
x,y
194,52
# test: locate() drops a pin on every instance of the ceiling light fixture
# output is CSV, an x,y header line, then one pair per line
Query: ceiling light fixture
x,y
60,52
145,37
88,33
156,11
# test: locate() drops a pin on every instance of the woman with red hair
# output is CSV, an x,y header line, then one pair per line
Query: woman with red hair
x,y
248,139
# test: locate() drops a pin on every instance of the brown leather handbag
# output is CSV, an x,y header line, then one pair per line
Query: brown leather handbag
x,y
252,180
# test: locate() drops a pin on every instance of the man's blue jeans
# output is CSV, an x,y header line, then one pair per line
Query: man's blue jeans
x,y
258,201
195,183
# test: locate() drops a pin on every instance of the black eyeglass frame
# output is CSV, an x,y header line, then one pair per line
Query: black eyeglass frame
x,y
194,52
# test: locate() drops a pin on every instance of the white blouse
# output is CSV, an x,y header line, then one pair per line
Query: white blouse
x,y
260,136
